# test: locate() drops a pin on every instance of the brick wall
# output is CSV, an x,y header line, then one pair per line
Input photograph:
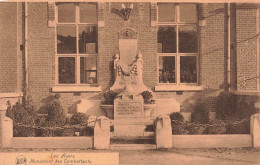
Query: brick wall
x,y
8,47
41,51
246,47
139,21
212,63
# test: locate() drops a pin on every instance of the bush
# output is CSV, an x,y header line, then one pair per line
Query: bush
x,y
56,114
176,116
195,130
225,106
219,127
21,113
178,129
245,109
109,96
187,129
240,128
148,97
79,118
85,131
200,114
22,131
24,114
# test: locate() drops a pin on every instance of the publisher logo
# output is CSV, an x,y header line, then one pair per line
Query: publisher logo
x,y
21,160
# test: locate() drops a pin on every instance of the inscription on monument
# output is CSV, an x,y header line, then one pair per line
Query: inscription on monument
x,y
128,109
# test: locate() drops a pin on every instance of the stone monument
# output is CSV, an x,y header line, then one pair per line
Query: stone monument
x,y
129,114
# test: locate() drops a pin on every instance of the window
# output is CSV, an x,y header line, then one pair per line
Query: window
x,y
177,43
76,42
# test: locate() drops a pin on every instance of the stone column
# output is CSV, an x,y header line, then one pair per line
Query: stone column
x,y
6,128
255,129
163,132
102,133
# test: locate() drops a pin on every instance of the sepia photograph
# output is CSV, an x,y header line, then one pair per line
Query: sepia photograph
x,y
138,82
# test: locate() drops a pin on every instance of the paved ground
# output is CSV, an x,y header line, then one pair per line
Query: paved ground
x,y
223,156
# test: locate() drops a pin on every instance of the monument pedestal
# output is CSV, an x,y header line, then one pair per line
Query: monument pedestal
x,y
129,116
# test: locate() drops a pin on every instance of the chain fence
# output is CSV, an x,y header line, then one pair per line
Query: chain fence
x,y
76,126
225,123
91,123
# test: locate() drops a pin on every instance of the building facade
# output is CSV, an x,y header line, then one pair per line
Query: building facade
x,y
190,50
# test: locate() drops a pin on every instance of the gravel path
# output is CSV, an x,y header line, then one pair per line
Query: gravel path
x,y
236,156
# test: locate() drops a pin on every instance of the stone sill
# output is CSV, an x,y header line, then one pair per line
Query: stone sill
x,y
11,95
62,88
178,88
246,93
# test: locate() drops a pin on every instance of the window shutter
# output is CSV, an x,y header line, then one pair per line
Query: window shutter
x,y
51,14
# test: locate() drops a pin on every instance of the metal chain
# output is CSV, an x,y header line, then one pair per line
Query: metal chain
x,y
211,125
83,125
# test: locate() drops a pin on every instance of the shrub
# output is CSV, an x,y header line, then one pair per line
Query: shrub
x,y
178,129
239,128
22,131
21,113
187,129
176,116
219,127
56,114
85,131
109,96
245,109
200,114
148,97
24,114
194,129
78,118
225,106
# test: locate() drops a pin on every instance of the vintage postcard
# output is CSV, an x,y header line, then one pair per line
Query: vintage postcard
x,y
110,82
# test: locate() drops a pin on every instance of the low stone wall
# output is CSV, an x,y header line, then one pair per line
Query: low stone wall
x,y
211,141
52,142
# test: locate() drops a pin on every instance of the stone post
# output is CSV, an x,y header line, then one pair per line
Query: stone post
x,y
163,132
255,129
102,133
6,128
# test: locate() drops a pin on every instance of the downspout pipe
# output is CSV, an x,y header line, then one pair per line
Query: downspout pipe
x,y
25,51
229,47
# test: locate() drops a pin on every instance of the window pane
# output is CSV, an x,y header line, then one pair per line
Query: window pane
x,y
166,12
166,40
66,39
188,13
88,70
66,70
167,69
66,12
188,69
88,39
88,12
188,41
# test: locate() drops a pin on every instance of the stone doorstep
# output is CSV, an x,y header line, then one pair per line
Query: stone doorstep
x,y
133,147
147,135
133,121
129,129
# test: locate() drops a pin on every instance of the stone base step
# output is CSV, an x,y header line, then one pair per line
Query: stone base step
x,y
130,133
132,140
145,134
132,146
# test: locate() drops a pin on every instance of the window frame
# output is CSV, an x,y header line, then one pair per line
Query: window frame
x,y
178,55
77,55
